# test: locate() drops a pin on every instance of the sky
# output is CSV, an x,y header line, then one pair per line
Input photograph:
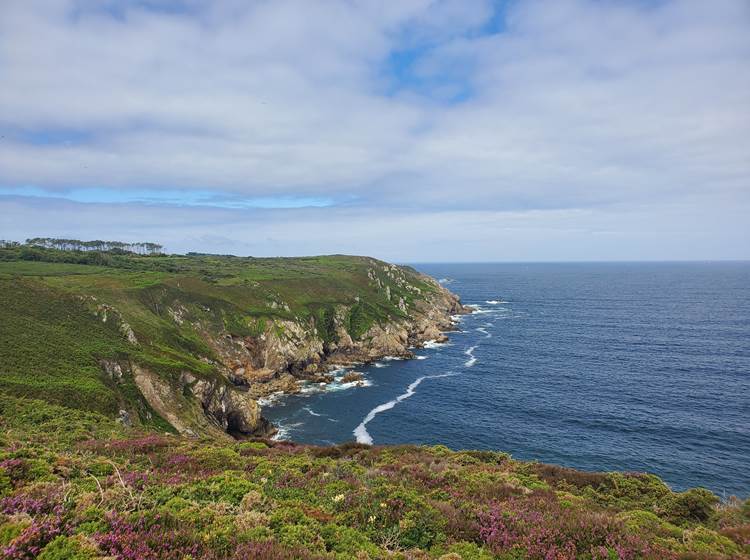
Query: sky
x,y
413,131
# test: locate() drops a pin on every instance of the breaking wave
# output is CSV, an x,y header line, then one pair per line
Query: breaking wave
x,y
283,431
484,332
472,359
361,433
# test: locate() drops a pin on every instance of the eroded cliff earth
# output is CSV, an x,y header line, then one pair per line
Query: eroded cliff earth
x,y
190,343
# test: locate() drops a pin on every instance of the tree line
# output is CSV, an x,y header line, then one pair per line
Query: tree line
x,y
143,248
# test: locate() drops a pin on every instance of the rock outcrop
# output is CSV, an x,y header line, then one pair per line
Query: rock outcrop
x,y
285,349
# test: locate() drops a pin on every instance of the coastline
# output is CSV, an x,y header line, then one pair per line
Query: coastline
x,y
431,325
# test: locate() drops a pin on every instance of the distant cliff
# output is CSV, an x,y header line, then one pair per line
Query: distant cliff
x,y
189,343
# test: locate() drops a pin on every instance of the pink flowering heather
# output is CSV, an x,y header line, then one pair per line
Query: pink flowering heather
x,y
547,530
138,540
32,540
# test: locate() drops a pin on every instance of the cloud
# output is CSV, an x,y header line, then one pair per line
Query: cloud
x,y
419,110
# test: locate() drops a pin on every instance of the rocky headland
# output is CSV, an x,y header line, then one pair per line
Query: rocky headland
x,y
190,343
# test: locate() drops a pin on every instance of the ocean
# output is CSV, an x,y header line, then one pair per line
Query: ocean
x,y
607,366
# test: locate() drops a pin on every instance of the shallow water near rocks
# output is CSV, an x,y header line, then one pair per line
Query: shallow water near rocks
x,y
617,366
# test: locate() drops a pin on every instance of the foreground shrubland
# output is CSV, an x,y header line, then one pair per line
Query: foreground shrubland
x,y
75,485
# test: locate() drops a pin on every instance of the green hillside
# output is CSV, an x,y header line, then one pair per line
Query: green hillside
x,y
53,302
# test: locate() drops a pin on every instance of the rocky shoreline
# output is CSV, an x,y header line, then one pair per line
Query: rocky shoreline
x,y
285,354
313,361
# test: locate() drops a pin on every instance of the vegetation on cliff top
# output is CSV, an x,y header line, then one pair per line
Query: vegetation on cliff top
x,y
76,485
54,303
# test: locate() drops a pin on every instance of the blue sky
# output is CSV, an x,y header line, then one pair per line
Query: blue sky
x,y
413,131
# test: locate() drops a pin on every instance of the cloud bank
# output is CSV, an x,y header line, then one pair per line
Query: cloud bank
x,y
412,130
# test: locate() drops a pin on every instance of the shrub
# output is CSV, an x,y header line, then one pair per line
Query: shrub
x,y
248,520
227,487
469,551
704,540
11,529
557,476
696,504
543,528
219,458
251,500
301,536
33,538
270,550
250,446
347,541
646,522
67,548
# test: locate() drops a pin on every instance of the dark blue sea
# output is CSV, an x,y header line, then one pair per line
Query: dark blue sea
x,y
618,366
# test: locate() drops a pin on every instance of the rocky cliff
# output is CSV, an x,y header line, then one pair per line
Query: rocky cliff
x,y
191,342
287,351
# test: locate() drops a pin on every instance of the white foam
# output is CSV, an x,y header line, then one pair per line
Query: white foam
x,y
308,388
472,359
333,387
283,432
361,433
420,357
392,358
478,310
434,344
312,412
380,365
271,399
484,331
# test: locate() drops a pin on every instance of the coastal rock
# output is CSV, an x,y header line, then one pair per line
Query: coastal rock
x,y
235,412
278,353
352,377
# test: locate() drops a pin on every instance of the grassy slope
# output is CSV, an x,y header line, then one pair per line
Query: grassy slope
x,y
75,485
51,341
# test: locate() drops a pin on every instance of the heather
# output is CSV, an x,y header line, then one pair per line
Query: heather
x,y
76,485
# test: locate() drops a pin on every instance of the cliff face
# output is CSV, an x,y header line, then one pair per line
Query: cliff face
x,y
289,351
190,342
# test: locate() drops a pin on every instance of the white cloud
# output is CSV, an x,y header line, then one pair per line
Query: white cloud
x,y
590,108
